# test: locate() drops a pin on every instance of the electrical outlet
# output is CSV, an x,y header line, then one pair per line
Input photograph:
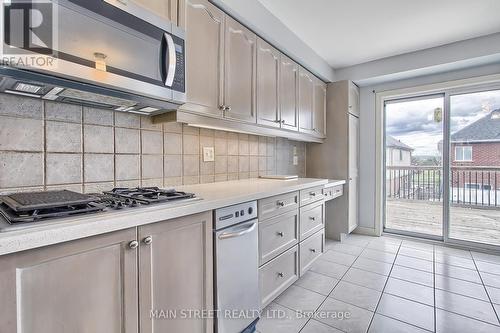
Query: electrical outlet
x,y
295,160
208,154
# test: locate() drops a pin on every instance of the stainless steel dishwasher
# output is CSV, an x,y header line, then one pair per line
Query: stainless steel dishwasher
x,y
237,298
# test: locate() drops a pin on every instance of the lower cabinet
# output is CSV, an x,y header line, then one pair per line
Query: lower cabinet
x,y
113,283
176,274
310,250
290,242
278,274
87,285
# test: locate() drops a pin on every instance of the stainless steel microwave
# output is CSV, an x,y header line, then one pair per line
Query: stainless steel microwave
x,y
110,54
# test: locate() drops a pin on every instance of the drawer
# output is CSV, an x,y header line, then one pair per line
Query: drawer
x,y
333,192
311,219
278,274
311,195
277,235
270,207
310,250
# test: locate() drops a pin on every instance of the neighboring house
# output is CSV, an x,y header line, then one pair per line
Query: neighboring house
x,y
397,153
477,145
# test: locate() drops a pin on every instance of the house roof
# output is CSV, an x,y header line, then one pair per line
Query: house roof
x,y
392,142
482,130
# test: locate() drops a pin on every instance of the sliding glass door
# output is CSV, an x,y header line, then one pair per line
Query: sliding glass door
x,y
442,166
474,176
414,166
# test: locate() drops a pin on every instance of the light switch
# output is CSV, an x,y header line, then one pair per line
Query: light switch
x,y
295,160
208,154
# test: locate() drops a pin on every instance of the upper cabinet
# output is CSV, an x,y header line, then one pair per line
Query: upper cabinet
x,y
353,99
167,9
319,112
306,101
239,72
239,82
289,71
268,65
204,56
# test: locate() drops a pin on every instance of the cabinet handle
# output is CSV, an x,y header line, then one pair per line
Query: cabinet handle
x,y
312,193
281,203
277,121
222,107
313,250
227,108
148,240
283,121
312,218
133,244
281,234
280,274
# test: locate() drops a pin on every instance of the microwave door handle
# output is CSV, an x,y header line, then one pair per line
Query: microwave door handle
x,y
172,61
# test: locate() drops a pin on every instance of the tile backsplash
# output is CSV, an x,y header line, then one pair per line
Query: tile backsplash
x,y
47,145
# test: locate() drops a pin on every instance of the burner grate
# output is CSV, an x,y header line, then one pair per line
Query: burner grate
x,y
29,201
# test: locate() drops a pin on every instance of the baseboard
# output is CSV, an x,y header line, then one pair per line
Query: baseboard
x,y
366,231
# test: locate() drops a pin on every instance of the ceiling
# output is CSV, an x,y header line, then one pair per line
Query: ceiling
x,y
346,33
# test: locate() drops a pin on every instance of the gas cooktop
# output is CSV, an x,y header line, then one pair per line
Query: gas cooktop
x,y
19,208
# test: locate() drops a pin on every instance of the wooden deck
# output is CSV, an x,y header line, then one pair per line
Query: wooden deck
x,y
472,224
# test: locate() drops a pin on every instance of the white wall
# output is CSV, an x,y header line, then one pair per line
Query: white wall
x,y
367,171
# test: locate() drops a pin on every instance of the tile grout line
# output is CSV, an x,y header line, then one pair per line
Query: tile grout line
x,y
485,289
328,296
434,286
385,284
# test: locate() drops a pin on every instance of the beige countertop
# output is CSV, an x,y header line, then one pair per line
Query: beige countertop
x,y
214,195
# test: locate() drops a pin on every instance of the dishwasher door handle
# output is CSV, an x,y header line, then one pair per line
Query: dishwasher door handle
x,y
242,232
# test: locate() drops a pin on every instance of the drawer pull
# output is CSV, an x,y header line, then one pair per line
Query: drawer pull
x,y
280,274
281,203
281,234
313,250
312,194
312,218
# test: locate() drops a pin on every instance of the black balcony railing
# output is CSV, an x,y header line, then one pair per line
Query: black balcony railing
x,y
471,186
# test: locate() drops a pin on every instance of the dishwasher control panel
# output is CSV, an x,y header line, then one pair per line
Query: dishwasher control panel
x,y
235,214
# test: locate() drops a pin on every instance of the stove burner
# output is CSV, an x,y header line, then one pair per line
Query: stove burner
x,y
147,195
35,206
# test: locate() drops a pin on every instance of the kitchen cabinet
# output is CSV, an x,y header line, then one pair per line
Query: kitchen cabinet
x,y
166,9
121,282
288,86
306,101
175,273
236,81
268,65
319,110
239,72
338,157
87,285
291,238
204,57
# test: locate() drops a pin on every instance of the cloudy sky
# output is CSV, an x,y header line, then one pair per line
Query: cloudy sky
x,y
413,122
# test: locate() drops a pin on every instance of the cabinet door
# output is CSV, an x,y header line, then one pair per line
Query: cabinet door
x,y
288,93
306,93
176,274
204,56
166,9
319,114
353,203
239,78
268,63
87,285
353,171
353,99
